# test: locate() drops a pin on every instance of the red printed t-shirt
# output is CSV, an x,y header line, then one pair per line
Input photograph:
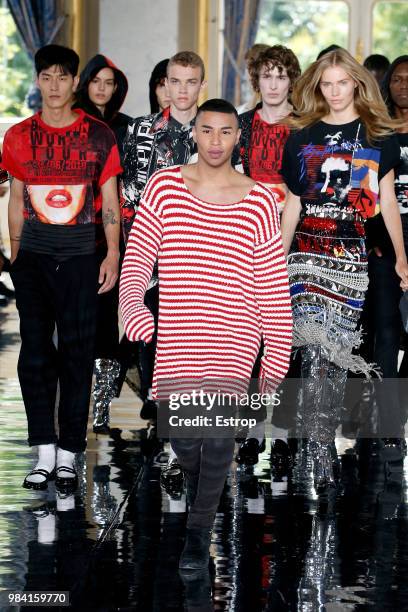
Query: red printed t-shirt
x,y
63,170
265,155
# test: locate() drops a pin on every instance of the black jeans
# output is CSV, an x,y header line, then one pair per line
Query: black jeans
x,y
206,462
49,293
107,321
384,329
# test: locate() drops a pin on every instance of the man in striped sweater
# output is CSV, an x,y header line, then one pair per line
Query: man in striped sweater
x,y
215,232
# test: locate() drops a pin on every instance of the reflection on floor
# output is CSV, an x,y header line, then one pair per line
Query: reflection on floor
x,y
115,544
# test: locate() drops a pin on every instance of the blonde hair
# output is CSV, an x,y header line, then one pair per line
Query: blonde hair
x,y
311,106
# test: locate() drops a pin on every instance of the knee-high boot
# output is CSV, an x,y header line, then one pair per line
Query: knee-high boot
x,y
323,386
106,375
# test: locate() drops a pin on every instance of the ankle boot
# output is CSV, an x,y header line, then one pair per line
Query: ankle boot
x,y
196,552
106,374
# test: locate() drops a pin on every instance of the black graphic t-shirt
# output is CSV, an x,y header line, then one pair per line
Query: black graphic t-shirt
x,y
332,167
63,170
377,234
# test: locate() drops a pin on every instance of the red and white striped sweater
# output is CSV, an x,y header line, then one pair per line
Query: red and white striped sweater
x,y
223,283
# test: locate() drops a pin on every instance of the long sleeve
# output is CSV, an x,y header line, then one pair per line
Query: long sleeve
x,y
141,253
273,300
130,189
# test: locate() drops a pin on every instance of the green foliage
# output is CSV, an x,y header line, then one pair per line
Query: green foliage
x,y
305,27
390,29
16,70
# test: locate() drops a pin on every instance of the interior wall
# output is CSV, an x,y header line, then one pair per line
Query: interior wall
x,y
136,34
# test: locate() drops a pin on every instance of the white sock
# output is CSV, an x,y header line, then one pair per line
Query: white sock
x,y
46,529
258,431
65,458
46,461
279,433
65,502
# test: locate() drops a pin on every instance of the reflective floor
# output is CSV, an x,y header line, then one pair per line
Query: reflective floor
x,y
115,544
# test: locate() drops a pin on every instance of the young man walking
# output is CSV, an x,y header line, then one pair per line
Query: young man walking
x,y
264,132
154,142
216,232
64,165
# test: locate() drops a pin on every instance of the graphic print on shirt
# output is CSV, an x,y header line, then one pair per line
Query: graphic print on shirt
x,y
265,155
342,174
401,181
62,169
58,204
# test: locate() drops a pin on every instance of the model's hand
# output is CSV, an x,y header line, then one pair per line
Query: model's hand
x,y
401,268
109,272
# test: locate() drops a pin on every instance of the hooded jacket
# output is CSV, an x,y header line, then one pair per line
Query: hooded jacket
x,y
117,121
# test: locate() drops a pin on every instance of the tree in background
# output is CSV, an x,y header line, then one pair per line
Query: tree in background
x,y
305,27
16,69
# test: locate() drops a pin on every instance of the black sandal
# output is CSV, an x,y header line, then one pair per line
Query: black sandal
x,y
39,486
65,482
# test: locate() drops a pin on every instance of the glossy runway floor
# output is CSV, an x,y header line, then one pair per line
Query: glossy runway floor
x,y
115,544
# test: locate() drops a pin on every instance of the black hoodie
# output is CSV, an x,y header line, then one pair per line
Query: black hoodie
x,y
376,231
117,121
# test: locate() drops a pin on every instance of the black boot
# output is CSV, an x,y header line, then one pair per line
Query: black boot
x,y
196,552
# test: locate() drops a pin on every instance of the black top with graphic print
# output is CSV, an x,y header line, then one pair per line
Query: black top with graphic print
x,y
333,168
377,234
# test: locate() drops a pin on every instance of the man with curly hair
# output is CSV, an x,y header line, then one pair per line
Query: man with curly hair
x,y
264,131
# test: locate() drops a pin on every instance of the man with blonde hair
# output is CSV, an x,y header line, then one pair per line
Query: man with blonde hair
x,y
154,142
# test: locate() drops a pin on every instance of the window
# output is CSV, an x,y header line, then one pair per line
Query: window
x,y
390,29
305,27
16,70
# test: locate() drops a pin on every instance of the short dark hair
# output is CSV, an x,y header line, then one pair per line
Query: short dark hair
x,y
377,62
327,50
217,105
57,55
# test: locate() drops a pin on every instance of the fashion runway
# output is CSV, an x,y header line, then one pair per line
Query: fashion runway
x,y
115,544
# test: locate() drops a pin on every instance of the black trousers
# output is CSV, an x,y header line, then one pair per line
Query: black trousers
x,y
50,294
147,351
206,463
383,319
107,320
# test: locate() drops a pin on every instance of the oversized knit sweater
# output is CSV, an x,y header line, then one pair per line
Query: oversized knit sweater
x,y
223,284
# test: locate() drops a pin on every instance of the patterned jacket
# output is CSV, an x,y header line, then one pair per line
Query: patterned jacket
x,y
148,147
241,152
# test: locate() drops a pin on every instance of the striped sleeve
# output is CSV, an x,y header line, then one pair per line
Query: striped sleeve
x,y
274,304
141,254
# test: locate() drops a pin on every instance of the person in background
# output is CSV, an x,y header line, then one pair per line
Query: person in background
x,y
338,167
101,93
378,65
154,142
384,291
264,132
158,94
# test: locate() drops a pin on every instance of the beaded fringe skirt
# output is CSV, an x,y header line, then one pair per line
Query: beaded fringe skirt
x,y
328,280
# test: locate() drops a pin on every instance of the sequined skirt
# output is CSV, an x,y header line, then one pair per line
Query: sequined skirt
x,y
328,280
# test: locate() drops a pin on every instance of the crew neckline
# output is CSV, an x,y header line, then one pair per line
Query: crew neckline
x,y
70,126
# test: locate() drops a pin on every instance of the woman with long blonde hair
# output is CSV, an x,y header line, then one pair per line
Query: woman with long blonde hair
x,y
338,165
